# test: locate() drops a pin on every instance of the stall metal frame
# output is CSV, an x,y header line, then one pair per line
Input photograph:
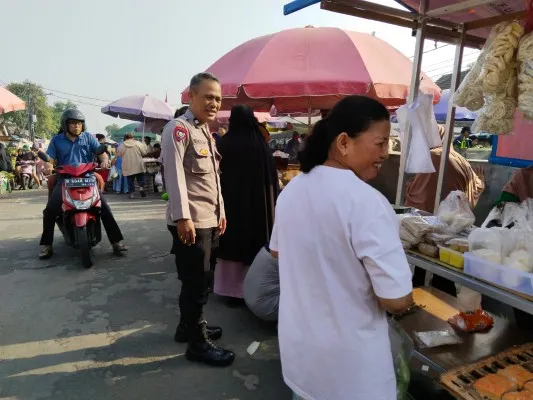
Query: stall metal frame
x,y
428,24
432,24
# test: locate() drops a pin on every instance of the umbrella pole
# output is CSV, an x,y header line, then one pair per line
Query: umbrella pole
x,y
144,123
309,118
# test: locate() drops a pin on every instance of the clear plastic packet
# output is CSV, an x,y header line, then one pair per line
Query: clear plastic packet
x,y
438,238
412,228
458,244
429,339
402,348
468,299
455,211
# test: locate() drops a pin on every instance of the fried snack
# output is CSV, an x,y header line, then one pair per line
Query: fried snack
x,y
525,76
497,117
499,63
523,395
494,386
529,386
517,374
470,93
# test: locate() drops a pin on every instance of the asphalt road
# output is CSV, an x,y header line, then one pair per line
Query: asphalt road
x,y
107,332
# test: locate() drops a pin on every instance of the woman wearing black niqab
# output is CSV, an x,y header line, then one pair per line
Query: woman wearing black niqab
x,y
249,185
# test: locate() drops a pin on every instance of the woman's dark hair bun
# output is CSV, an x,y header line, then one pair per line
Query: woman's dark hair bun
x,y
353,115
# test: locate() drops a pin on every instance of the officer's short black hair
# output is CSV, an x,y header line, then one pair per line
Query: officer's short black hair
x,y
197,79
180,111
99,136
157,146
465,129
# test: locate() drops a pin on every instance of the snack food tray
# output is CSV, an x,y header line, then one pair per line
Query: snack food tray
x,y
459,381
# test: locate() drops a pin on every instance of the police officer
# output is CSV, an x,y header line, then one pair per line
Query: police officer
x,y
195,214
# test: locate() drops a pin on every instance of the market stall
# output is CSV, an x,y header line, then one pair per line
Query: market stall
x,y
495,263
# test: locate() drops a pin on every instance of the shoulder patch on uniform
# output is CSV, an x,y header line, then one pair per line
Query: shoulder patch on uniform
x,y
180,133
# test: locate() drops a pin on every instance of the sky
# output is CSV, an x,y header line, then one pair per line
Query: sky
x,y
101,50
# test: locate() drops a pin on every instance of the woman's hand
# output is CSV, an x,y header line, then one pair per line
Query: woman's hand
x,y
397,306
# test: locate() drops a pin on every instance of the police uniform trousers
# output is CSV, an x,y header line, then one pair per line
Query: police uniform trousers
x,y
193,266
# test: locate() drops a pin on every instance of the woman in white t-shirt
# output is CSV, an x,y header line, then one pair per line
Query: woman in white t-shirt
x,y
341,261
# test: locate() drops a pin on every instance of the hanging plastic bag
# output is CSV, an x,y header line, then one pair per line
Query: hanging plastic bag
x,y
402,348
455,211
419,156
422,111
113,173
469,94
158,179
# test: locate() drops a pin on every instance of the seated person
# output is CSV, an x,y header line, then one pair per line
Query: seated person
x,y
463,142
74,146
261,286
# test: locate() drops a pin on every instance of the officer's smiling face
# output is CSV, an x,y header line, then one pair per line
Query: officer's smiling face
x,y
206,100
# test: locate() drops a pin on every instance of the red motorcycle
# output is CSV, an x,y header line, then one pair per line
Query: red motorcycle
x,y
80,220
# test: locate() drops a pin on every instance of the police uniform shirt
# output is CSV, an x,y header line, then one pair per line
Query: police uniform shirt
x,y
191,169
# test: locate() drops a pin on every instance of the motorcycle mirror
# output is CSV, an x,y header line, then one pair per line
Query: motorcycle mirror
x,y
101,149
43,156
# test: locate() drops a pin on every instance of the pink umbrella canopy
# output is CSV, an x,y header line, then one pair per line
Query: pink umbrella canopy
x,y
139,108
10,102
303,68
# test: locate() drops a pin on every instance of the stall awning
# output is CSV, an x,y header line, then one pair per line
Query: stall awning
x,y
443,16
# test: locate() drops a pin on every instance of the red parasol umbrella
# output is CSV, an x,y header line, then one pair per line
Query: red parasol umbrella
x,y
312,68
9,102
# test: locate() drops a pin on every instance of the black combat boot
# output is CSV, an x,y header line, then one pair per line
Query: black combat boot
x,y
202,349
182,332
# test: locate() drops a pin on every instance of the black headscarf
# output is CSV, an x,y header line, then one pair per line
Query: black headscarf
x,y
249,183
5,159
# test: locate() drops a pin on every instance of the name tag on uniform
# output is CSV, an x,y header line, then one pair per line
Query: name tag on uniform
x,y
200,141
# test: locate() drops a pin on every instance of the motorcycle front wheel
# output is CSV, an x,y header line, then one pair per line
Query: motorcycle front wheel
x,y
84,245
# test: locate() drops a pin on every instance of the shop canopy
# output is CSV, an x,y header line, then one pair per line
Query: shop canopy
x,y
443,16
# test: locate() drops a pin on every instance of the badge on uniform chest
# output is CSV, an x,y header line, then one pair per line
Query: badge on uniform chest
x,y
204,152
180,133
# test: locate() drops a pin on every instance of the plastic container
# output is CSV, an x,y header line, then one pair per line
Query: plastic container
x,y
454,258
500,275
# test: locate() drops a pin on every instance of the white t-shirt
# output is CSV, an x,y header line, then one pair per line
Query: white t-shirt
x,y
339,247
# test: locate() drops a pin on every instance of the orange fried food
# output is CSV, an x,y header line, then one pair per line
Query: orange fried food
x,y
517,374
529,386
494,386
523,395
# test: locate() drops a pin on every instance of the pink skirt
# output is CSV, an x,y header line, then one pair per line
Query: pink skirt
x,y
229,278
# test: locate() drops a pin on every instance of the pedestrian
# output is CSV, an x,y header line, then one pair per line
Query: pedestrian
x,y
249,182
148,143
293,147
120,183
132,153
341,261
195,214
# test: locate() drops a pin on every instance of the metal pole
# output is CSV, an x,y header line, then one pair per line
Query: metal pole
x,y
309,117
413,92
30,120
447,140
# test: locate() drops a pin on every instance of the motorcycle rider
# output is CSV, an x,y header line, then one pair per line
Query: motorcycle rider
x,y
74,145
26,155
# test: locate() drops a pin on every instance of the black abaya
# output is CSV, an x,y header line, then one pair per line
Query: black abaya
x,y
249,184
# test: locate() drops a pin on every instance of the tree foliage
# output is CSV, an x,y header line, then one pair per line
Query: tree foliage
x,y
32,94
110,129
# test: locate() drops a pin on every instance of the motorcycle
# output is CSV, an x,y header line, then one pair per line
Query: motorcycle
x,y
80,218
26,174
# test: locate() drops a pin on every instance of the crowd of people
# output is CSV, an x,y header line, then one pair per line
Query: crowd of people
x,y
322,257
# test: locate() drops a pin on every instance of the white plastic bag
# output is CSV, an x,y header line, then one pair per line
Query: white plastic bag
x,y
468,299
419,156
158,179
455,211
113,173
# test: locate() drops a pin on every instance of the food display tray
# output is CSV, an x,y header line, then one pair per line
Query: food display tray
x,y
459,381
